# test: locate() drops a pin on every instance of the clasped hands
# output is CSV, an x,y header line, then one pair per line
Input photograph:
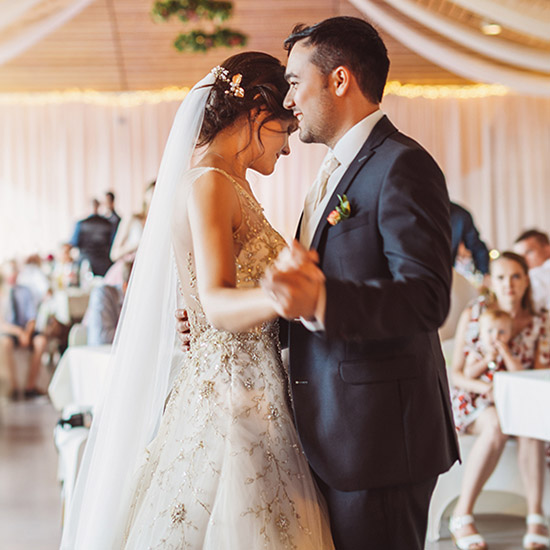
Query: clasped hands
x,y
295,284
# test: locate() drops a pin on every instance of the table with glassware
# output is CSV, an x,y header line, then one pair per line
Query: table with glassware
x,y
522,401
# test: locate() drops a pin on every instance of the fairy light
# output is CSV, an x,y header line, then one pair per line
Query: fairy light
x,y
411,91
93,97
136,98
494,254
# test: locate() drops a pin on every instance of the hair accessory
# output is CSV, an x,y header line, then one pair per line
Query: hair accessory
x,y
234,83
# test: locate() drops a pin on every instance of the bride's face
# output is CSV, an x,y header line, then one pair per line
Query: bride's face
x,y
271,141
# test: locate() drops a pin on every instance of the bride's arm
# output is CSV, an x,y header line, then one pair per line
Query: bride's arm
x,y
214,211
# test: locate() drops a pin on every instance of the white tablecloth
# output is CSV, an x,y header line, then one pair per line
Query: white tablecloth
x,y
523,402
79,376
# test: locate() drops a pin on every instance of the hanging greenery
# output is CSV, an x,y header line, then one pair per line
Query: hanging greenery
x,y
190,11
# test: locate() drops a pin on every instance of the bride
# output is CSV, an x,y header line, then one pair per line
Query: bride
x,y
211,461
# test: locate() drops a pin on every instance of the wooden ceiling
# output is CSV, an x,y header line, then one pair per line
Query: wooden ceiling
x,y
114,45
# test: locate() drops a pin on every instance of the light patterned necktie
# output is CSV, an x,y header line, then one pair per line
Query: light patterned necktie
x,y
319,187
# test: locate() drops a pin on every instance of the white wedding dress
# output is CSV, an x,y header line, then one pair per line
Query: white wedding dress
x,y
226,470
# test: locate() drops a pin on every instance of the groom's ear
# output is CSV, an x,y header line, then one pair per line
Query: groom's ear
x,y
340,80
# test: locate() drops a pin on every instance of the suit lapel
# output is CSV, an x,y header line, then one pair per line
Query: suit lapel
x,y
379,133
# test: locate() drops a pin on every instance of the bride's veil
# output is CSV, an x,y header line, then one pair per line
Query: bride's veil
x,y
128,415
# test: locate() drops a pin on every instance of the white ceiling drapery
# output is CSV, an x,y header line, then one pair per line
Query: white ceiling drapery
x,y
466,65
524,16
491,46
25,22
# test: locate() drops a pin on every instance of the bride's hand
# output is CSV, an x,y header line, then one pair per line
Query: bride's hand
x,y
294,283
296,257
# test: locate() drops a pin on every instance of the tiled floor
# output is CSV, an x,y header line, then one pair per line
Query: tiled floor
x,y
501,533
30,508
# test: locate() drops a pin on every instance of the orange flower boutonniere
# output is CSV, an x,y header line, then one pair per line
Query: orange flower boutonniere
x,y
341,212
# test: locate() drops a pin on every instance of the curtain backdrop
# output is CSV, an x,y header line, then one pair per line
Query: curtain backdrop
x,y
56,156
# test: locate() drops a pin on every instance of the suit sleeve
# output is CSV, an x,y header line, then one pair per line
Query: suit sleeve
x,y
75,239
476,246
414,225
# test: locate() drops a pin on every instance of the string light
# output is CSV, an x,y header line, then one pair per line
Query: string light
x,y
133,99
444,91
93,97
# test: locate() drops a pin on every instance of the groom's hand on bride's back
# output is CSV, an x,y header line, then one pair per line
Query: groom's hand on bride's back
x,y
183,328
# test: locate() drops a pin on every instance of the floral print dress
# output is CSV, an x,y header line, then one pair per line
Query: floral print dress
x,y
467,406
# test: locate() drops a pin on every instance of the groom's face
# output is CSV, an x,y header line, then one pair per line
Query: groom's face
x,y
309,97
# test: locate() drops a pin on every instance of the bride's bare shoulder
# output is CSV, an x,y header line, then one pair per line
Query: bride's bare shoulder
x,y
207,192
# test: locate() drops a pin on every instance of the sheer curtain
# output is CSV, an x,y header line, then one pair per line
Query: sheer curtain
x,y
56,155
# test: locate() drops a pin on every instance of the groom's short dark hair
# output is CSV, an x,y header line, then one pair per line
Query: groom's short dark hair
x,y
351,42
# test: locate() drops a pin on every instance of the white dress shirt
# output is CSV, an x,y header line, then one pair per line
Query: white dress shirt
x,y
345,151
540,285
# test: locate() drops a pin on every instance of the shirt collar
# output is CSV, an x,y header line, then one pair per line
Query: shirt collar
x,y
350,143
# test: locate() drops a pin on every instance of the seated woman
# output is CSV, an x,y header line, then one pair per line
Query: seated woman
x,y
514,338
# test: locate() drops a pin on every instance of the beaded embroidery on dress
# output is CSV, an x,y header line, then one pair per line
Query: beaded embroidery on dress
x,y
226,471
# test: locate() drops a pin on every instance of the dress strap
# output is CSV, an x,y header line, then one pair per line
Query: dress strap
x,y
242,192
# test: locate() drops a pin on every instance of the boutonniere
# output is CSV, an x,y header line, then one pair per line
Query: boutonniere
x,y
341,212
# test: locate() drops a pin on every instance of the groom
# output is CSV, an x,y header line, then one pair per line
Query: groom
x,y
369,387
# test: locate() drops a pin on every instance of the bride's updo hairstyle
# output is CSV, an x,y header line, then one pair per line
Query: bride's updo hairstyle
x,y
246,82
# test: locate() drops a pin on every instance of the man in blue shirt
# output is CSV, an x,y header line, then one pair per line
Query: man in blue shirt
x,y
17,329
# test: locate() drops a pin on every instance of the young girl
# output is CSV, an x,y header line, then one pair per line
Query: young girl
x,y
489,353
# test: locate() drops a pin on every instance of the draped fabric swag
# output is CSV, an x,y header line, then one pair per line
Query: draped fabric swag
x,y
25,22
54,157
467,65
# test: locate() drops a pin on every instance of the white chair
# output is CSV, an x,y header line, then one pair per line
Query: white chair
x,y
78,335
69,441
506,478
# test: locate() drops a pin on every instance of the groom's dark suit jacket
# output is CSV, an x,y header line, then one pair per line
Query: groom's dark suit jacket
x,y
370,394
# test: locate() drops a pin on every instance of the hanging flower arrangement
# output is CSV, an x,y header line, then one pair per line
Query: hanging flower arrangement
x,y
191,11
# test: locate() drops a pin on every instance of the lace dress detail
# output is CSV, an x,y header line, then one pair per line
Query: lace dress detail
x,y
226,471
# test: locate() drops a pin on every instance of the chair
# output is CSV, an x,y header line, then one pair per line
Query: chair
x,y
78,335
69,441
506,478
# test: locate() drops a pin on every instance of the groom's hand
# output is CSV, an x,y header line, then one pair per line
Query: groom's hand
x,y
295,283
183,328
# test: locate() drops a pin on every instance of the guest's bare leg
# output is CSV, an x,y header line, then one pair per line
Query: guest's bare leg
x,y
7,347
481,463
39,344
532,469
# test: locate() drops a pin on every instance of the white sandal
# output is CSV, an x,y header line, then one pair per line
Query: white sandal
x,y
466,542
534,538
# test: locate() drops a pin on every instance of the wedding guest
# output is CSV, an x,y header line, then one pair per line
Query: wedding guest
x,y
474,356
127,239
534,246
110,212
93,237
18,330
32,277
65,269
464,231
104,310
